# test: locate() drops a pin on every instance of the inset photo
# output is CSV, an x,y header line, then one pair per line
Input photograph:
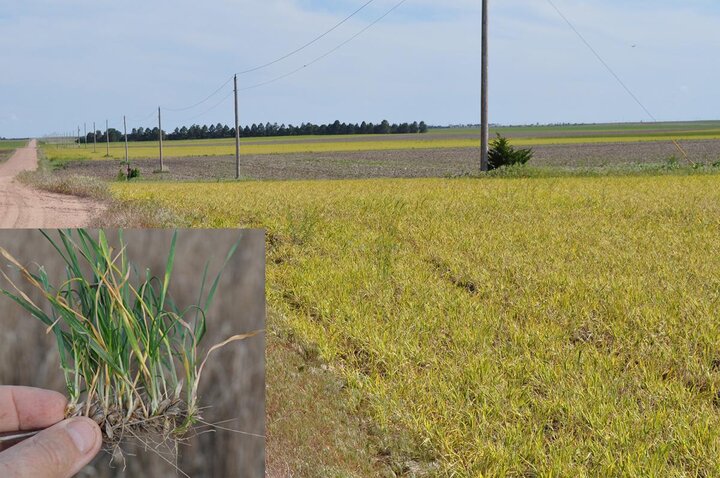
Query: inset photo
x,y
143,348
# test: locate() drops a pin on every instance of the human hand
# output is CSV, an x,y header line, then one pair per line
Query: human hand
x,y
59,451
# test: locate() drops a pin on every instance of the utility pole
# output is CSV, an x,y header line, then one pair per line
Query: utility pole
x,y
162,167
107,139
85,129
94,138
78,136
127,159
237,134
484,131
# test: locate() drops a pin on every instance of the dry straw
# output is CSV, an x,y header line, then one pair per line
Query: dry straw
x,y
129,355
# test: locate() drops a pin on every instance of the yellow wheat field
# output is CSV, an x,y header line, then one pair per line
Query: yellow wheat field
x,y
516,327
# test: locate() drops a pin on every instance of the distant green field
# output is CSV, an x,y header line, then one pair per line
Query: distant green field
x,y
435,139
608,129
12,144
8,147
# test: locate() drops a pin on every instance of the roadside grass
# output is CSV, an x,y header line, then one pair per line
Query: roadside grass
x,y
561,326
43,178
116,213
315,425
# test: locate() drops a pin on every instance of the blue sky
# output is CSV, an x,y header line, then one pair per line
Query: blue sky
x,y
74,61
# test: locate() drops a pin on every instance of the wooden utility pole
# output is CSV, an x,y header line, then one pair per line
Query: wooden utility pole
x,y
107,139
127,158
78,136
94,138
237,134
162,166
85,129
484,126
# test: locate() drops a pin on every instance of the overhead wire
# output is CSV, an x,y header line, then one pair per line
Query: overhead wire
x,y
315,40
284,57
140,120
616,76
222,100
194,105
273,62
328,53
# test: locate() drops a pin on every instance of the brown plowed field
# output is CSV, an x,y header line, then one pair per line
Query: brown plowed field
x,y
397,163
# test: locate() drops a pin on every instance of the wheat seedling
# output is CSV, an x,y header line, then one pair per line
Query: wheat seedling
x,y
129,356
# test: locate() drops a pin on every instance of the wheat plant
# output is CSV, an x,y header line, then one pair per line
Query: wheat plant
x,y
130,356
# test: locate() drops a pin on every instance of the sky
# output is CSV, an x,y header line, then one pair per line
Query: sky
x,y
70,62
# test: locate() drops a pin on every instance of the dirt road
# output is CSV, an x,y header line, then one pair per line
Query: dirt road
x,y
24,207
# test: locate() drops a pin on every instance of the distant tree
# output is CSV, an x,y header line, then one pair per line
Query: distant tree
x,y
115,135
384,127
220,130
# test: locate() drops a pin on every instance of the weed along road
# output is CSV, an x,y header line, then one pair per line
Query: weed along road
x,y
24,207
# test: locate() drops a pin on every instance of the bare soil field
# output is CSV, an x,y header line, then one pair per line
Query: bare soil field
x,y
397,163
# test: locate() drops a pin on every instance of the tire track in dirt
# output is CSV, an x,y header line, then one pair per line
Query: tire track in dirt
x,y
24,207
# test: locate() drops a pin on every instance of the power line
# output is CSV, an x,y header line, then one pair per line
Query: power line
x,y
224,98
600,58
201,101
315,40
330,52
316,60
133,120
615,75
277,60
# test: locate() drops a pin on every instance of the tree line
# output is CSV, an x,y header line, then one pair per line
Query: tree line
x,y
261,130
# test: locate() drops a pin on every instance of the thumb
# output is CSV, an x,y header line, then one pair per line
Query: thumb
x,y
58,452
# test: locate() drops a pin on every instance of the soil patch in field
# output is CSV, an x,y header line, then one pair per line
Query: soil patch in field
x,y
405,163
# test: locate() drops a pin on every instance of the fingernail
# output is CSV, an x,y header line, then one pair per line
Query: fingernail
x,y
82,434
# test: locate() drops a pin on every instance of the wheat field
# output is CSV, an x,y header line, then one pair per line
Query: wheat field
x,y
513,327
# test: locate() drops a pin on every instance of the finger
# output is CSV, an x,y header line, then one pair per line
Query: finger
x,y
58,452
24,408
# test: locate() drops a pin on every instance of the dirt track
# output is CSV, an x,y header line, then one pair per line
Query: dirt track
x,y
25,207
